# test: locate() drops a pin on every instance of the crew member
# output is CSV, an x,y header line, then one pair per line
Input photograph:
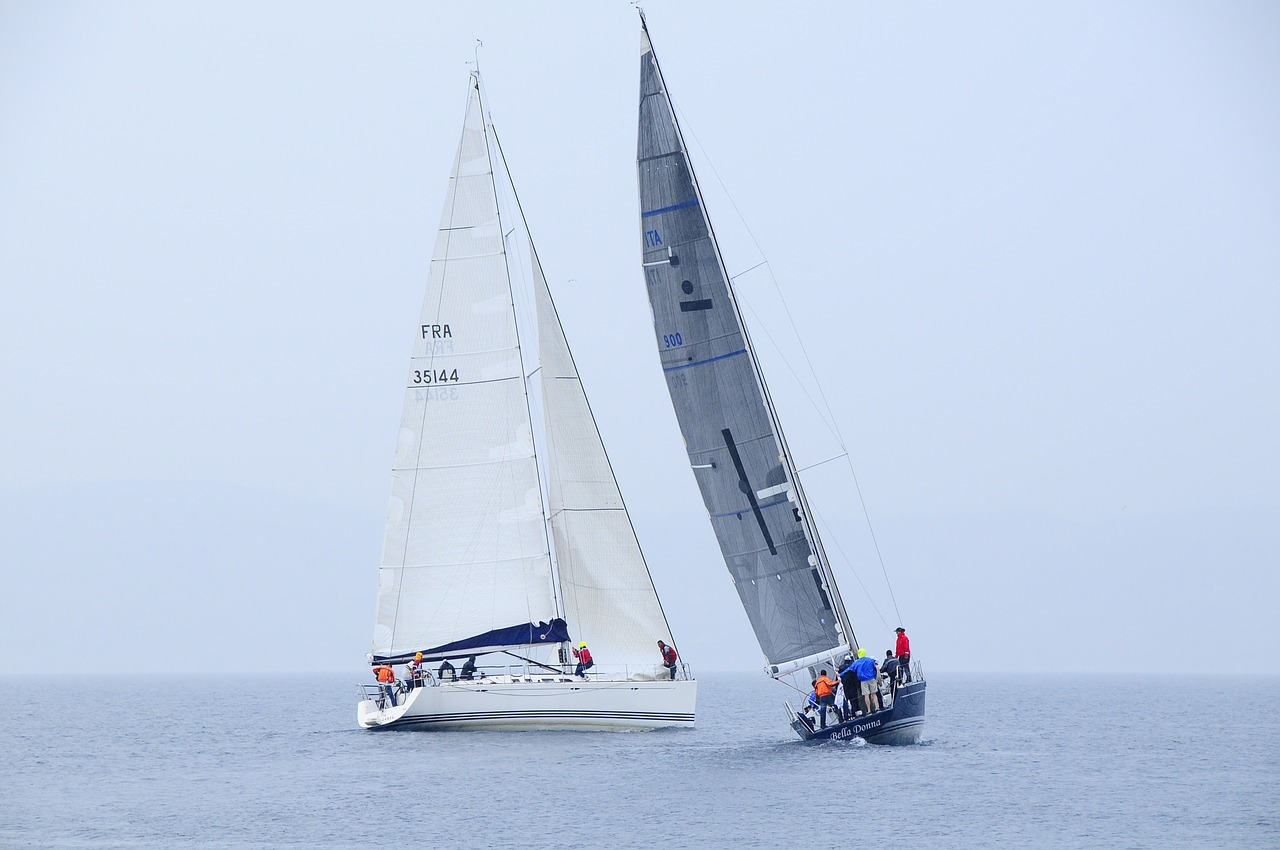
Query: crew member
x,y
810,707
869,681
415,671
889,670
825,688
584,660
903,653
669,657
386,676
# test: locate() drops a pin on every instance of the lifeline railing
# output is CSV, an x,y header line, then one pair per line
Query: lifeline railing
x,y
376,691
887,689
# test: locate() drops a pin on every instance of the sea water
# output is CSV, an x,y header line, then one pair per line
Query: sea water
x,y
1006,761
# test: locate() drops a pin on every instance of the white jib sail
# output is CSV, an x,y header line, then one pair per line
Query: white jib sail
x,y
608,594
466,549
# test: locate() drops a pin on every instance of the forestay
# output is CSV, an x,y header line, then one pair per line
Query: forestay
x,y
730,434
465,553
605,586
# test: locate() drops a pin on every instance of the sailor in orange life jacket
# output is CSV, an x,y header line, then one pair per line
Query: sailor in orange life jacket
x,y
386,676
668,657
826,690
584,660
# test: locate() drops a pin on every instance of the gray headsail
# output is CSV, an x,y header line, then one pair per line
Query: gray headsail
x,y
731,432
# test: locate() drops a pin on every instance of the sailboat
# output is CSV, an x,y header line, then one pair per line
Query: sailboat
x,y
508,548
737,451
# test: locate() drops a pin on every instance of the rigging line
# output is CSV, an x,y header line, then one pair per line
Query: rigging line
x,y
487,128
785,308
555,314
753,268
546,470
821,462
849,563
833,425
531,661
823,416
874,541
810,531
577,376
791,686
857,486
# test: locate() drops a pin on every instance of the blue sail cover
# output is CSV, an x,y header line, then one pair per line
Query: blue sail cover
x,y
525,634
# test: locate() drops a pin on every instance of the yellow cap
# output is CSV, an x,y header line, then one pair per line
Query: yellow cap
x,y
582,645
418,657
862,653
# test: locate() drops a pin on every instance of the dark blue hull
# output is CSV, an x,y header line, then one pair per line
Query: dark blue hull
x,y
901,724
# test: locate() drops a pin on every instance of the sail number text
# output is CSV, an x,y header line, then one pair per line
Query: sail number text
x,y
672,340
435,376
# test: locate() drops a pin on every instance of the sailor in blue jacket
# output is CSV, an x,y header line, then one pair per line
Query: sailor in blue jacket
x,y
869,679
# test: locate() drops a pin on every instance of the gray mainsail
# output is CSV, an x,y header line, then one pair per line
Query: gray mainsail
x,y
737,451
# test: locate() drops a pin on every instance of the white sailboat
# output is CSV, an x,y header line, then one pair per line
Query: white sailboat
x,y
507,540
737,451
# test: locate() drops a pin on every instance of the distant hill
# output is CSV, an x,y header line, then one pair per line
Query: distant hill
x,y
182,576
196,576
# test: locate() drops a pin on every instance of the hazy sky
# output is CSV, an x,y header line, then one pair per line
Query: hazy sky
x,y
1032,250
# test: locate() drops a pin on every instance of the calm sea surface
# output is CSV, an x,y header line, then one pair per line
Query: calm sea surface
x,y
1007,762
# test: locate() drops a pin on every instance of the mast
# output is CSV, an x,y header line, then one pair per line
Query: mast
x,y
488,148
818,557
465,560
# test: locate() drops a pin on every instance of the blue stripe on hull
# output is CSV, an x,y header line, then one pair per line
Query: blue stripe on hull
x,y
543,714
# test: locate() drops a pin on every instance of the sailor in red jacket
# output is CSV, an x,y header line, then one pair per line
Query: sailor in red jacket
x,y
584,660
669,657
903,653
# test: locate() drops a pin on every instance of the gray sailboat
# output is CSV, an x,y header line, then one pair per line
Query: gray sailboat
x,y
736,447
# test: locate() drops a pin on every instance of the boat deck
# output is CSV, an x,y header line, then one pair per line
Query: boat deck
x,y
900,722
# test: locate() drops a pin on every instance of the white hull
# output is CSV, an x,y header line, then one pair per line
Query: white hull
x,y
532,703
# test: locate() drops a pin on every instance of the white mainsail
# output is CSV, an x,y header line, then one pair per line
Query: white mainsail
x,y
466,549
